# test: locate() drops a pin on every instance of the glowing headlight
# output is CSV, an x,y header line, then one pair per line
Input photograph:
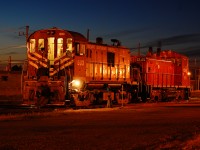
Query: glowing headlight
x,y
76,83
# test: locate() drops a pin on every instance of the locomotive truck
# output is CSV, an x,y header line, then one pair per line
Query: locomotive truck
x,y
64,66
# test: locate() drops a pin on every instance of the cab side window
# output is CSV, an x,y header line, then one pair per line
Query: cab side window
x,y
80,49
32,45
69,44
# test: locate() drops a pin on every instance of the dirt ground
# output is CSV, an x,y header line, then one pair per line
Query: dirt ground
x,y
139,126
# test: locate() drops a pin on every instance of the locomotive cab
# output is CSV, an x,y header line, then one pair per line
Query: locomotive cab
x,y
44,66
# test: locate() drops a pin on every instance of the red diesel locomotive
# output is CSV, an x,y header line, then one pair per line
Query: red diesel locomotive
x,y
162,75
64,66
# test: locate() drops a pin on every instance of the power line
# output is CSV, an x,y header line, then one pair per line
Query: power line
x,y
14,46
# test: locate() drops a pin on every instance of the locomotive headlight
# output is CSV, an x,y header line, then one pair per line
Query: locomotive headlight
x,y
76,83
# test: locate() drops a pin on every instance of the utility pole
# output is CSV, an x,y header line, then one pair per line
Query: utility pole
x,y
27,30
9,64
25,34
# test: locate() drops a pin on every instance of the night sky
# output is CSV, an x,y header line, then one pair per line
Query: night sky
x,y
172,24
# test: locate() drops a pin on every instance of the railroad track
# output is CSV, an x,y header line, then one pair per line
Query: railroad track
x,y
19,109
6,109
12,109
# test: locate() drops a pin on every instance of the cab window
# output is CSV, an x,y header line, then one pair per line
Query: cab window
x,y
32,45
69,44
41,44
77,48
82,49
59,47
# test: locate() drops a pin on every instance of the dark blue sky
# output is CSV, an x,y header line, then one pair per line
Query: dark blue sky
x,y
176,23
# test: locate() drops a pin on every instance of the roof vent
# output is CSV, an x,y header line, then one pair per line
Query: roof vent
x,y
116,42
158,51
99,40
151,50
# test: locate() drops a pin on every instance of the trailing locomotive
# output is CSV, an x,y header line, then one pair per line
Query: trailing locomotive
x,y
162,76
63,65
